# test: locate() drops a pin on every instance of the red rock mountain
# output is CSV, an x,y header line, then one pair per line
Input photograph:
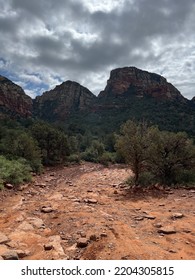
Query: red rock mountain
x,y
13,101
64,99
129,81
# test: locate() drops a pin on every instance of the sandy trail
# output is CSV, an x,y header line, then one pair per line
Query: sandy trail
x,y
47,219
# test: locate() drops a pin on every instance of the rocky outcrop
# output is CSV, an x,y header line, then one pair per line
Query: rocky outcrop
x,y
62,100
13,100
128,81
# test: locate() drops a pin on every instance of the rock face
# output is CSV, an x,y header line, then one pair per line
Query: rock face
x,y
132,81
62,100
13,100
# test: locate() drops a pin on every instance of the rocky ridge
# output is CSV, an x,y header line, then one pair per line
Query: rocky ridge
x,y
13,100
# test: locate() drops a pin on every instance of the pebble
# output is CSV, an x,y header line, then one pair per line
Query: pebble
x,y
46,209
48,247
139,218
9,186
82,242
22,254
158,225
149,217
177,215
167,230
172,251
91,201
10,255
103,234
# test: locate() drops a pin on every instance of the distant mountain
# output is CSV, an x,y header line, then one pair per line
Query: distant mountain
x,y
130,93
59,103
13,100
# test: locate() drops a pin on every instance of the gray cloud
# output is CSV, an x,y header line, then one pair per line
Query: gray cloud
x,y
59,40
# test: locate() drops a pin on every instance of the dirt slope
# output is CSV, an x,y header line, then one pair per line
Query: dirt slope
x,y
84,212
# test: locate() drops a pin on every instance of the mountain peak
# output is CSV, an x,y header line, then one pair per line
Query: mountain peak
x,y
64,99
133,81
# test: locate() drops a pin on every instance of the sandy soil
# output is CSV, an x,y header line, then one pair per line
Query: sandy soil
x,y
91,214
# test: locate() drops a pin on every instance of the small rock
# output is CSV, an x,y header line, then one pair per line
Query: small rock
x,y
46,209
167,230
3,238
48,247
82,242
10,255
161,204
172,251
91,201
41,185
103,234
22,254
9,186
115,192
177,216
139,218
158,225
83,234
149,217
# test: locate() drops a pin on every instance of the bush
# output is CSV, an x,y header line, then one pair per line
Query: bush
x,y
14,172
186,177
74,158
156,156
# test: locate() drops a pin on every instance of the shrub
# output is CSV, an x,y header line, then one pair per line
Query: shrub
x,y
14,171
74,158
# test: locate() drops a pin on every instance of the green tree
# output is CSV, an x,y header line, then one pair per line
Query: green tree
x,y
132,144
52,142
170,155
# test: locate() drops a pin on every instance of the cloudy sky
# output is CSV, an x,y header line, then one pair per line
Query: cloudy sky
x,y
46,42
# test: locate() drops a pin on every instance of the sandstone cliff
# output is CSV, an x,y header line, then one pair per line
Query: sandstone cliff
x,y
128,81
64,99
13,101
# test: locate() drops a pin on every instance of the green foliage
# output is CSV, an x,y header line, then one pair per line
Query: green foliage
x,y
94,152
132,144
16,143
107,158
14,172
170,155
74,158
156,156
52,141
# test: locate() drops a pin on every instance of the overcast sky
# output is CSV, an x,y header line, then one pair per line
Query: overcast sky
x,y
46,42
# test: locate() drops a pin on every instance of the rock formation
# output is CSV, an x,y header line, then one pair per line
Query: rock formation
x,y
128,81
62,100
13,100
